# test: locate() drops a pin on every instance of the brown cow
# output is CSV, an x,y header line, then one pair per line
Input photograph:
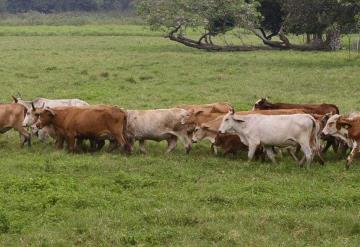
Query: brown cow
x,y
91,122
12,117
322,109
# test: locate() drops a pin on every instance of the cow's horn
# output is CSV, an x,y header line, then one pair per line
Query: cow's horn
x,y
33,107
14,98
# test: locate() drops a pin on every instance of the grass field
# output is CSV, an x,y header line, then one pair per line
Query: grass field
x,y
52,198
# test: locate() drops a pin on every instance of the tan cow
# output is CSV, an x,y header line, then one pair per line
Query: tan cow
x,y
158,125
72,124
12,117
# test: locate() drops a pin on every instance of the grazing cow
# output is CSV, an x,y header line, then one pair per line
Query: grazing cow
x,y
73,124
158,125
274,131
39,103
347,129
322,109
12,117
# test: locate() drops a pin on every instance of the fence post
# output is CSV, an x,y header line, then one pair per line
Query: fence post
x,y
349,36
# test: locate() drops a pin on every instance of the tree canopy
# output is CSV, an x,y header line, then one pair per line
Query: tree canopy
x,y
321,20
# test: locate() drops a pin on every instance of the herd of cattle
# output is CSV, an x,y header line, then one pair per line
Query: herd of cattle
x,y
265,131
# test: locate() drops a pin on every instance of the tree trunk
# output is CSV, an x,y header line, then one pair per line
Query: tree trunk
x,y
333,39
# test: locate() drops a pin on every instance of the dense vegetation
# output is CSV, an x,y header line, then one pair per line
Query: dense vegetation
x,y
52,198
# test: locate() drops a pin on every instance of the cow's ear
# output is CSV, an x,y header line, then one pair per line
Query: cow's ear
x,y
345,123
198,113
205,126
14,98
238,118
51,111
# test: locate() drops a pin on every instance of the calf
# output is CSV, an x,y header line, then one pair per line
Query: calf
x,y
91,122
347,129
158,125
209,131
12,117
274,130
322,109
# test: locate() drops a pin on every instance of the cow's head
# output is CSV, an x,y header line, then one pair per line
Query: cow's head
x,y
192,117
337,125
262,104
229,122
32,115
44,117
201,133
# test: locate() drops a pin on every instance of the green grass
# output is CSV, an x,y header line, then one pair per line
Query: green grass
x,y
52,198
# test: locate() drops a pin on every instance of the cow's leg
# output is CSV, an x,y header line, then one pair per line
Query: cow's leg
x,y
186,141
252,150
308,154
71,143
24,135
292,153
59,142
112,145
352,155
270,153
142,146
327,146
100,144
214,149
335,144
172,142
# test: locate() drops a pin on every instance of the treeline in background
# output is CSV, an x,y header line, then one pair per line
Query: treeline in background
x,y
56,6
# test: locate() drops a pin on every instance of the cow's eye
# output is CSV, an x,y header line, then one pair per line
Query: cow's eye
x,y
37,114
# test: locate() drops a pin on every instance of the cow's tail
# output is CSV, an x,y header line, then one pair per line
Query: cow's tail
x,y
315,139
127,145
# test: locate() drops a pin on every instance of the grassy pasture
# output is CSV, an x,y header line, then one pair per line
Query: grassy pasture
x,y
52,198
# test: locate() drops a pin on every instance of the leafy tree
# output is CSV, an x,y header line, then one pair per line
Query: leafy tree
x,y
214,16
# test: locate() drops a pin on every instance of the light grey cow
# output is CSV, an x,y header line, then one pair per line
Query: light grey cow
x,y
39,103
274,131
158,125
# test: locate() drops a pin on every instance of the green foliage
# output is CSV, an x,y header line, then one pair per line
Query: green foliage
x,y
315,16
51,198
214,16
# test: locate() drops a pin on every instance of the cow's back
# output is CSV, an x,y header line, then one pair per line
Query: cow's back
x,y
151,123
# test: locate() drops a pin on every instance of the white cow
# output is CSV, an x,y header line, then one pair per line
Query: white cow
x,y
158,125
39,103
274,131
